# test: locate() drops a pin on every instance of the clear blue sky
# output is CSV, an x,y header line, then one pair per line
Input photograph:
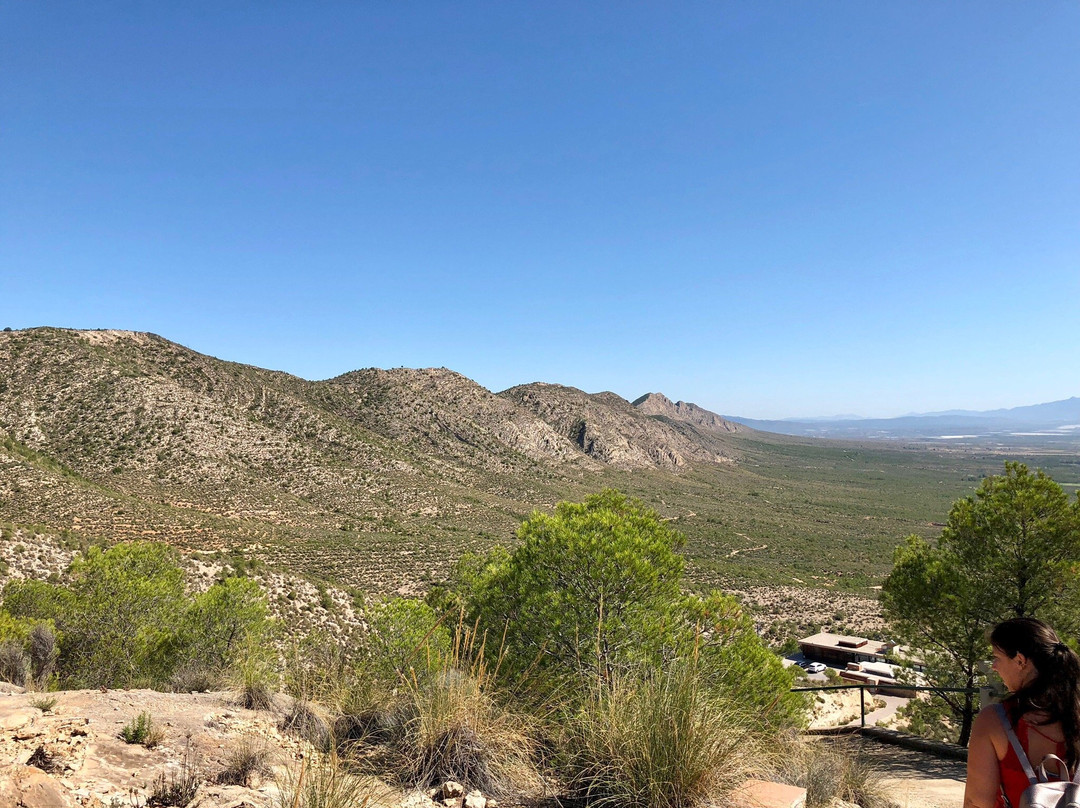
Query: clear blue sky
x,y
770,209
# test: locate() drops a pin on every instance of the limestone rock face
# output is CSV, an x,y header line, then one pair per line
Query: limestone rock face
x,y
610,429
30,787
659,404
73,756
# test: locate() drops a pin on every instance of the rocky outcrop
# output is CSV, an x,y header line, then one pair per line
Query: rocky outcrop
x,y
444,410
660,405
72,756
608,428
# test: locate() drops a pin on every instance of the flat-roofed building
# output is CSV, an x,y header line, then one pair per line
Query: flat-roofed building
x,y
841,649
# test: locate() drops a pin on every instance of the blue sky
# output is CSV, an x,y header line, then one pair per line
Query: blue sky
x,y
770,209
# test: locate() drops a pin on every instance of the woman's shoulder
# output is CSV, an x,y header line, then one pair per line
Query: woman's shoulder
x,y
988,723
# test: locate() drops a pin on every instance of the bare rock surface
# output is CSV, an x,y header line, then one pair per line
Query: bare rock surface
x,y
608,428
659,404
73,755
915,779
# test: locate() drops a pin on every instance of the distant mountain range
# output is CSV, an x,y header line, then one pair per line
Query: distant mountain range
x,y
1054,421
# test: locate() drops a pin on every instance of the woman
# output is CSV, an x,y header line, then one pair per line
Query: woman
x,y
1043,678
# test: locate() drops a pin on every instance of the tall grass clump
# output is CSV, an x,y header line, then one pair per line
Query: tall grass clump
x,y
828,772
248,758
455,724
323,782
658,739
255,678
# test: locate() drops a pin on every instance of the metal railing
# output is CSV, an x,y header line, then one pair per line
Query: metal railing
x,y
891,686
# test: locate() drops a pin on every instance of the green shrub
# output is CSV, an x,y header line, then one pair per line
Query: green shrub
x,y
591,587
141,730
221,622
735,663
123,619
119,607
595,591
406,637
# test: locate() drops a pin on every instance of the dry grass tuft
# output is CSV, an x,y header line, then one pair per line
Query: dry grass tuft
x,y
248,757
323,782
827,771
658,740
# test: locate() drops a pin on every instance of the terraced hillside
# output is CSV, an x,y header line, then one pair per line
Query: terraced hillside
x,y
381,478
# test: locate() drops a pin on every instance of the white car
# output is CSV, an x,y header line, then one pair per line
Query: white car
x,y
815,667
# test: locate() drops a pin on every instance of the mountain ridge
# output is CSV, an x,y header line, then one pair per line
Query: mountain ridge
x,y
125,434
1057,419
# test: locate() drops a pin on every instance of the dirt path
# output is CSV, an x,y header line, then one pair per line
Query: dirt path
x,y
916,779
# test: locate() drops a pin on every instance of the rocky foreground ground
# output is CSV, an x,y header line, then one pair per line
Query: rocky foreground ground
x,y
72,755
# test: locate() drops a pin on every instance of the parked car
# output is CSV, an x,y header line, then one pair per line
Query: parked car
x,y
815,667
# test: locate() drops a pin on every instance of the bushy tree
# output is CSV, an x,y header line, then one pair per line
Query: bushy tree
x,y
221,621
1012,549
590,587
593,593
1017,541
934,610
119,607
735,661
124,619
405,636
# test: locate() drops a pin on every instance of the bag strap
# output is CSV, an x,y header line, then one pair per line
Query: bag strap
x,y
1062,768
1015,742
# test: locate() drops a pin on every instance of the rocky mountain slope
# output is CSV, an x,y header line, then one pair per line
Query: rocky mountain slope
x,y
381,479
118,434
659,405
610,429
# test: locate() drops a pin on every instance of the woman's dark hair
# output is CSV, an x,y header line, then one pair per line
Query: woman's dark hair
x,y
1056,688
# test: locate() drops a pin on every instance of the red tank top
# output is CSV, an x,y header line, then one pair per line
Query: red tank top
x,y
1013,779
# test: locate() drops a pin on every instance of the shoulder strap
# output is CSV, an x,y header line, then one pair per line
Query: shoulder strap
x,y
1015,742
